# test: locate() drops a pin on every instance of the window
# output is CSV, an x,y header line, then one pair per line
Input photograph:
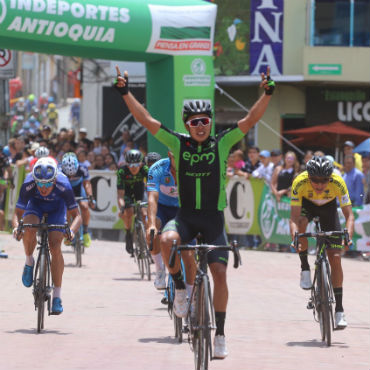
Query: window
x,y
340,23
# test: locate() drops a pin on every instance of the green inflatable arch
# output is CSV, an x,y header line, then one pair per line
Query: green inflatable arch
x,y
173,37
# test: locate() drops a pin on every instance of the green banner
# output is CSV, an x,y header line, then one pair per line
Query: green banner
x,y
253,209
115,29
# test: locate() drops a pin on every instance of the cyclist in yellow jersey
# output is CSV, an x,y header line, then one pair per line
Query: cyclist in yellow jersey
x,y
315,193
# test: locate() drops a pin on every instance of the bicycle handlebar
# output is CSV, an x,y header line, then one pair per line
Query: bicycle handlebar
x,y
321,234
65,227
233,248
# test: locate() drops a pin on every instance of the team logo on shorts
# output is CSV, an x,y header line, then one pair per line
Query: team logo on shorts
x,y
167,179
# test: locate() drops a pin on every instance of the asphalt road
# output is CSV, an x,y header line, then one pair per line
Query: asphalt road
x,y
113,320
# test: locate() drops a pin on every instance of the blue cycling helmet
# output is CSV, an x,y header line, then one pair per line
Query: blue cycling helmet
x,y
69,164
6,151
45,170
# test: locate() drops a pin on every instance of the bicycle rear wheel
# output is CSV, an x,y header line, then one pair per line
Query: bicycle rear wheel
x,y
144,255
78,249
39,290
202,332
325,304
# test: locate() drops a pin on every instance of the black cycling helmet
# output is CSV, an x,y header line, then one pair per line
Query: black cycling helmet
x,y
193,107
319,167
152,157
134,156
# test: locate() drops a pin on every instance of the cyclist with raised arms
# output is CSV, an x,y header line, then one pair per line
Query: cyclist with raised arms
x,y
201,171
315,193
46,190
131,179
79,177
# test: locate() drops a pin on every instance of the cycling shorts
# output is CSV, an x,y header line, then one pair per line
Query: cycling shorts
x,y
166,213
188,223
56,212
329,219
79,190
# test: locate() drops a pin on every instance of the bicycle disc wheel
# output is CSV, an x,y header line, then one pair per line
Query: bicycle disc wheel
x,y
39,291
202,333
78,250
325,309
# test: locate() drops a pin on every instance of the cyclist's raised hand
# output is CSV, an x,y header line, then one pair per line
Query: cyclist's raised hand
x,y
267,83
121,82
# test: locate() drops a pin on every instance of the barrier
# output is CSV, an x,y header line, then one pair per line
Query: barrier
x,y
252,209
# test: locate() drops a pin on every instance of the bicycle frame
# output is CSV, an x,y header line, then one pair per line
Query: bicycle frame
x,y
201,325
41,285
322,294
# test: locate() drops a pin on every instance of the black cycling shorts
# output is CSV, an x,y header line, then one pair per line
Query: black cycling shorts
x,y
329,218
188,223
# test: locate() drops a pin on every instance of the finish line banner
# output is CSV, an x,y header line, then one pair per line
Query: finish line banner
x,y
171,27
253,209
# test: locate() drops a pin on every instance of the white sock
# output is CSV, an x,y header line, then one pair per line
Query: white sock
x,y
158,261
56,292
29,260
189,289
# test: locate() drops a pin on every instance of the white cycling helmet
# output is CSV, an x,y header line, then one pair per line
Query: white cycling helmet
x,y
69,164
42,151
45,170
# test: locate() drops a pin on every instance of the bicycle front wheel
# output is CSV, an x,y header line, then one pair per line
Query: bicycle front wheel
x,y
325,305
143,255
202,335
39,290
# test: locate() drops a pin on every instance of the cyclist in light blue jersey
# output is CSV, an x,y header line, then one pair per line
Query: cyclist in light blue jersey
x,y
79,177
46,190
163,205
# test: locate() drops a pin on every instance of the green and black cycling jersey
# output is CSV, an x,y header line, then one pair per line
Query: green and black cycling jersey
x,y
133,185
201,168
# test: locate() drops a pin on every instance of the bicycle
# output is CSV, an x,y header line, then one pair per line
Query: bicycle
x,y
78,241
202,321
141,251
322,294
41,284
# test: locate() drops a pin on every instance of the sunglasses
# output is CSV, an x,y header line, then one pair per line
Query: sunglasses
x,y
195,122
134,165
319,180
44,184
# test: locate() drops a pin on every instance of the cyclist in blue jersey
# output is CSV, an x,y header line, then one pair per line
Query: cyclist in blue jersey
x,y
46,190
163,205
79,177
201,174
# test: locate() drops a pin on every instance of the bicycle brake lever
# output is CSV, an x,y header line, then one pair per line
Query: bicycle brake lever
x,y
171,262
296,240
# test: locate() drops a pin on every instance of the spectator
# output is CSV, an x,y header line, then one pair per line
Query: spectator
x,y
113,167
319,153
97,145
15,154
82,134
335,168
283,176
126,138
366,172
353,178
82,158
252,162
239,159
265,169
108,160
276,157
46,132
307,156
99,162
91,159
348,150
71,135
